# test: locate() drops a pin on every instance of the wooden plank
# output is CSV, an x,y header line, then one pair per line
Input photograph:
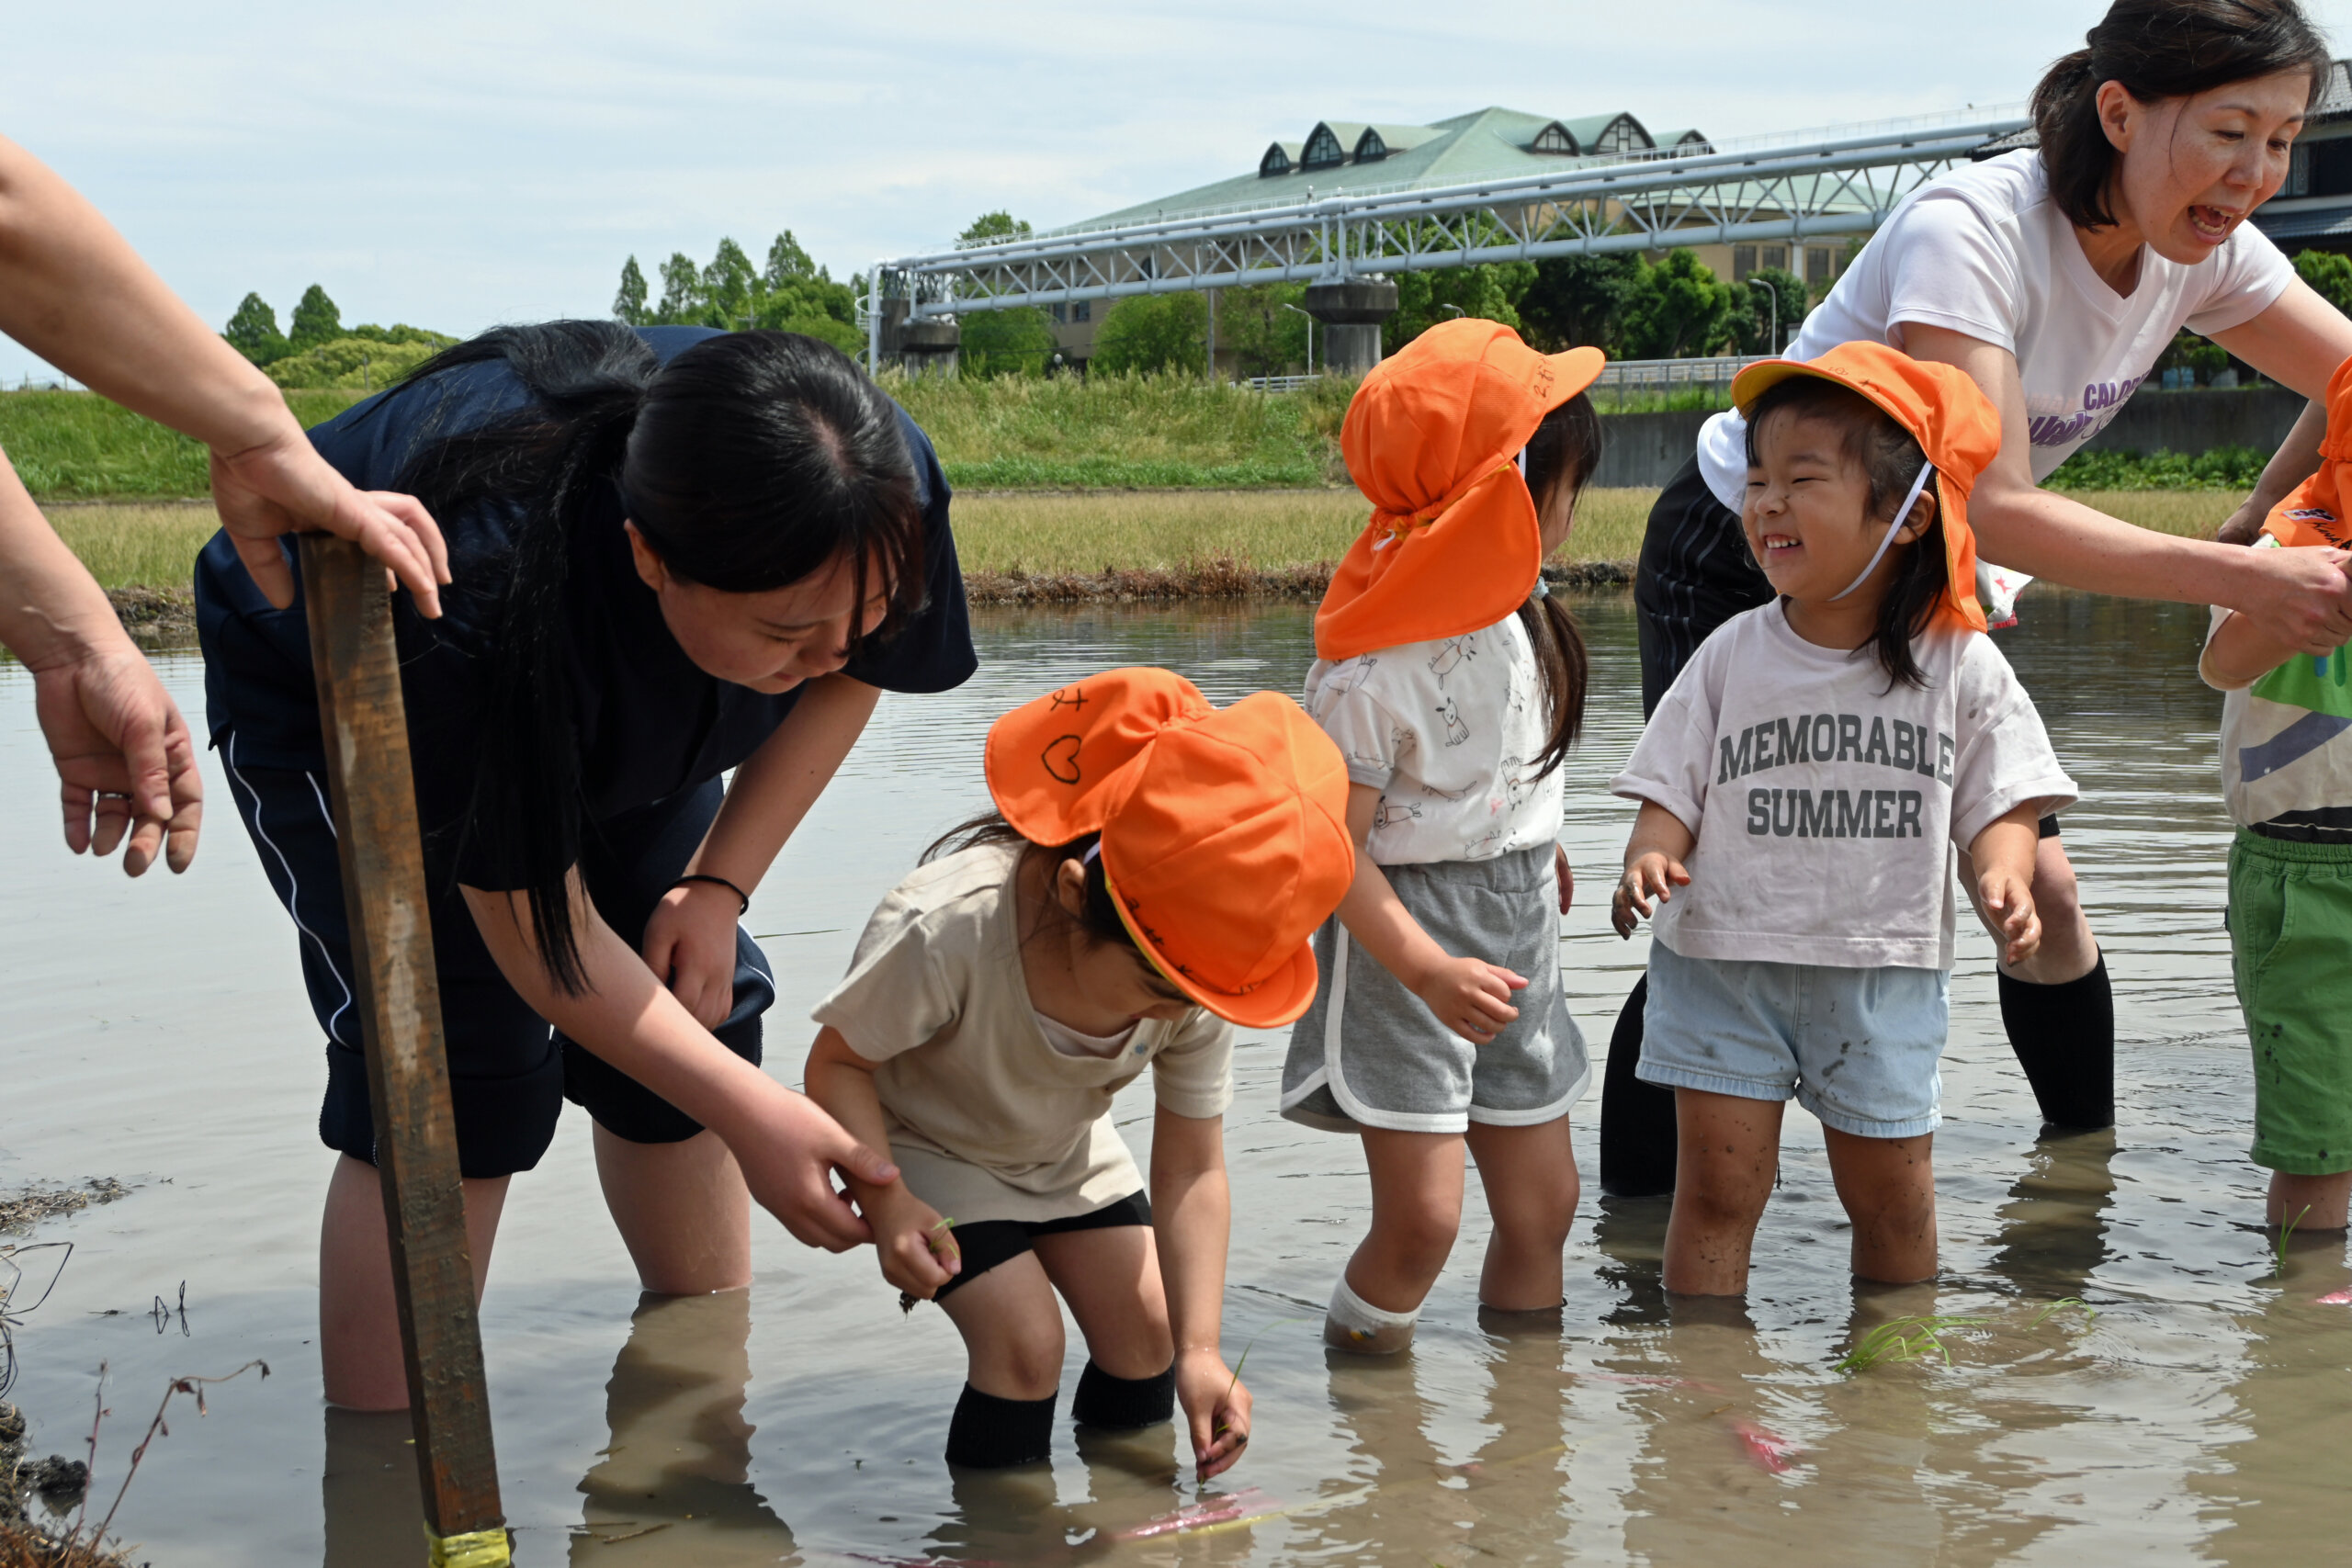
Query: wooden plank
x,y
365,724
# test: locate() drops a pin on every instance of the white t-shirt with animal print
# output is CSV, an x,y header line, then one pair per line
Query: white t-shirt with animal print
x,y
1449,732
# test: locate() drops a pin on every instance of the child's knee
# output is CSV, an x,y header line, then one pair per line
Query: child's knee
x,y
1420,1236
1018,1360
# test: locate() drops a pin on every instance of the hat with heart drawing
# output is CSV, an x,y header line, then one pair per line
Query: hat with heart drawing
x,y
1224,831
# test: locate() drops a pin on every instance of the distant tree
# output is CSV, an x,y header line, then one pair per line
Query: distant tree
x,y
1680,309
2329,275
788,262
682,298
728,285
991,226
1754,312
629,305
1153,332
253,331
1263,338
1489,291
1017,342
1579,302
316,319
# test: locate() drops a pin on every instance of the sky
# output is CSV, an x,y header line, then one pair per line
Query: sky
x,y
456,165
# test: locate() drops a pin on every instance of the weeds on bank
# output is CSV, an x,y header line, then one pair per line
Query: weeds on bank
x,y
13,1305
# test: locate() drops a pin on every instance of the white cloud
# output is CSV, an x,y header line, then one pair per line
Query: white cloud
x,y
456,164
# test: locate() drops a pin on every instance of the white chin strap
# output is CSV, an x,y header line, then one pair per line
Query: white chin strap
x,y
1902,513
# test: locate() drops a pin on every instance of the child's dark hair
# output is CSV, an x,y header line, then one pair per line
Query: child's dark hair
x,y
1098,916
1565,450
1889,459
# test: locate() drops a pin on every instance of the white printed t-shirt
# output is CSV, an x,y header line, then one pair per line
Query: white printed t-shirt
x,y
2287,743
1985,250
989,1120
1826,804
1449,732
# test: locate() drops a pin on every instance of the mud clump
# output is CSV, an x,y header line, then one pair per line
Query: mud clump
x,y
19,1212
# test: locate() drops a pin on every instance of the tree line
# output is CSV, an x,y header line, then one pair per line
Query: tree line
x,y
792,293
318,350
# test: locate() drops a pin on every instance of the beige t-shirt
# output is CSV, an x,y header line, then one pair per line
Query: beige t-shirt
x,y
987,1119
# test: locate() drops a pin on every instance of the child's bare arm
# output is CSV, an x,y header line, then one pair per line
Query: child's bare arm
x,y
916,1249
2241,652
2003,855
1654,858
1192,1220
1469,996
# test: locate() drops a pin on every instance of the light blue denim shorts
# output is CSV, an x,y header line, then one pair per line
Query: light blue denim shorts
x,y
1856,1047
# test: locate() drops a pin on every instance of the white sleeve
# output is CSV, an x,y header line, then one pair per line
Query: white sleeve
x,y
2004,757
2248,278
1949,267
1671,762
1369,738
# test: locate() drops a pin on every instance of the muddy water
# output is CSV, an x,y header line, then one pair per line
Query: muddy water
x,y
156,1032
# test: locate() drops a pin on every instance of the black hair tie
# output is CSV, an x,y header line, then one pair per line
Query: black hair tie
x,y
715,881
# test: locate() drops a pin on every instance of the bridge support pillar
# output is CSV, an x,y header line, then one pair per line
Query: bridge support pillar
x,y
1351,313
928,347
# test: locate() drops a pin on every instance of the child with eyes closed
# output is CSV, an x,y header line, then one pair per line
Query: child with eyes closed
x,y
1151,878
1803,786
1453,686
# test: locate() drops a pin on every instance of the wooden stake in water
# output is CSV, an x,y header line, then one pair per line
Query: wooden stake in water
x,y
366,727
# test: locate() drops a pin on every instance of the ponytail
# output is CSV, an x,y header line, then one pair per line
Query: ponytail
x,y
749,462
1565,450
2158,50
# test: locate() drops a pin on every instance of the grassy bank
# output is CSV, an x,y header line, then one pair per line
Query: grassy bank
x,y
78,446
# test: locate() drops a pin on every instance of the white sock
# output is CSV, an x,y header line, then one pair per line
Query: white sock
x,y
1354,1323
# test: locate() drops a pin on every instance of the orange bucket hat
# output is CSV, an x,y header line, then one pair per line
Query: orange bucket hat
x,y
1950,416
1225,840
2319,510
1454,544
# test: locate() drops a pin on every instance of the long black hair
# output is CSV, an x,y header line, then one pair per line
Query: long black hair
x,y
1889,459
2158,48
751,461
1565,450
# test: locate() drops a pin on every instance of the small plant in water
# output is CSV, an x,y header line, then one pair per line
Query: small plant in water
x,y
1903,1340
2278,1249
2065,1304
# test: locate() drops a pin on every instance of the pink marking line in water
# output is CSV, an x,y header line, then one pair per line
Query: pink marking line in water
x,y
1768,1449
1248,1503
2337,1298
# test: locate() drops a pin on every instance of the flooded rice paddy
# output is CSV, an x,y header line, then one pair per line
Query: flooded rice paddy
x,y
156,1032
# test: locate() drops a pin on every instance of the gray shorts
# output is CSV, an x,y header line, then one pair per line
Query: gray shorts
x,y
1368,1053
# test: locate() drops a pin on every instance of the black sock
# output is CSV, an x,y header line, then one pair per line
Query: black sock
x,y
988,1433
1123,1403
2065,1038
1637,1135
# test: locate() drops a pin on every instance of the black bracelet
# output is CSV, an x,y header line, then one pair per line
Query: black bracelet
x,y
715,881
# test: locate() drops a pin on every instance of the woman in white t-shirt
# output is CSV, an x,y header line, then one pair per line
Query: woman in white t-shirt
x,y
2055,279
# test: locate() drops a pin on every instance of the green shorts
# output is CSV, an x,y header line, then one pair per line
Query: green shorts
x,y
2290,951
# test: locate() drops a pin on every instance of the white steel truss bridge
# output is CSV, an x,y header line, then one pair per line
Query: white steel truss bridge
x,y
1787,187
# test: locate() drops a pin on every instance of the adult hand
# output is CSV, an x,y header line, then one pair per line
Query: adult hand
x,y
1471,996
1216,1409
789,1149
2243,526
283,486
2301,597
690,947
125,758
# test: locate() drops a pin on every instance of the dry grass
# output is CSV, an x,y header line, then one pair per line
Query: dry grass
x,y
137,544
2189,513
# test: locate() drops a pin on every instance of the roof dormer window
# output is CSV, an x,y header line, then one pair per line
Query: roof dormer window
x,y
1555,138
1370,148
1323,149
1275,162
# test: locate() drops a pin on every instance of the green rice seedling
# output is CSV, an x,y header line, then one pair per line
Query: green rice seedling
x,y
1904,1340
2065,1304
1243,1360
2279,1248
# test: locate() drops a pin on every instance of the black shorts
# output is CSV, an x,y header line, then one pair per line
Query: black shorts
x,y
987,1243
1695,573
509,1072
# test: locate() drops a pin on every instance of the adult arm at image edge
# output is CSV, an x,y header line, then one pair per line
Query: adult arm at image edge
x,y
690,939
2037,531
73,291
786,1144
1192,1218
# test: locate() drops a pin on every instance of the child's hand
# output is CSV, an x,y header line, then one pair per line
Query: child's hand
x,y
2008,900
1216,1409
1567,877
690,947
1471,996
1653,876
916,1247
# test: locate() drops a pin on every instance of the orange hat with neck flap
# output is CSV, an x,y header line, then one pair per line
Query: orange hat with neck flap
x,y
1430,440
2319,510
1950,416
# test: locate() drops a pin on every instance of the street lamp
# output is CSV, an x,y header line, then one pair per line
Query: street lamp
x,y
1455,309
1773,344
1310,335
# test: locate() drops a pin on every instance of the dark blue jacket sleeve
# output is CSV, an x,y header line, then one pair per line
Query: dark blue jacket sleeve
x,y
933,651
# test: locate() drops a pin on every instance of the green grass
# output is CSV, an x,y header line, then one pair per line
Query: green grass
x,y
137,545
79,446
